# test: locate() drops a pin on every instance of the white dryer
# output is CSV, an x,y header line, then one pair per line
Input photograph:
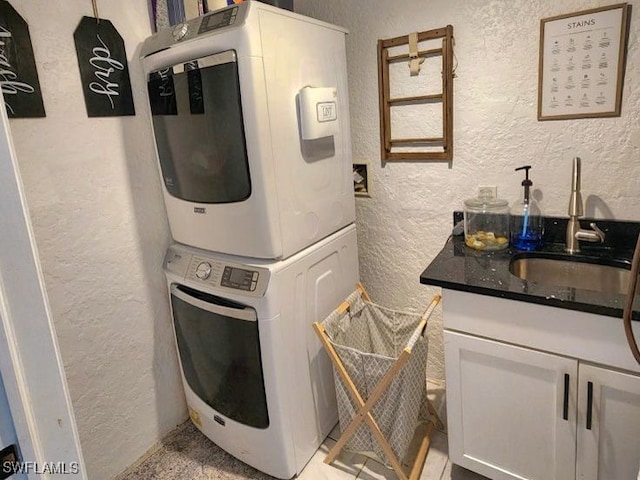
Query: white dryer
x,y
250,113
257,380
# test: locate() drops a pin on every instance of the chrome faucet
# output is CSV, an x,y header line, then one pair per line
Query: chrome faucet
x,y
574,232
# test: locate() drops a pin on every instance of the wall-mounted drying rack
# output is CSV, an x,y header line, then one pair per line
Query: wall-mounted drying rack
x,y
434,146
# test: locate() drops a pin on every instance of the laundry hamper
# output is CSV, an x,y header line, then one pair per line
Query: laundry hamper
x,y
379,357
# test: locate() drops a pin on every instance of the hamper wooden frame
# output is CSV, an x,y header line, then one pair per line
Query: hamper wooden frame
x,y
364,413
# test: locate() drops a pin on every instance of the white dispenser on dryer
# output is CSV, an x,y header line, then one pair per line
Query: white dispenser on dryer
x,y
318,112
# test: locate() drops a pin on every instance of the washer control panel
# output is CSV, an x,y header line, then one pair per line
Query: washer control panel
x,y
217,273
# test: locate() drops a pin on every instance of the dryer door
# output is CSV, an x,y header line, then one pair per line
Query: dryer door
x,y
219,348
199,129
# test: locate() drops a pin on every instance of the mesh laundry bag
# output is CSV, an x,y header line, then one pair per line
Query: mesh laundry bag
x,y
369,338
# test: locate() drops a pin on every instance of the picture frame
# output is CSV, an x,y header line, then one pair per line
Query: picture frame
x,y
582,62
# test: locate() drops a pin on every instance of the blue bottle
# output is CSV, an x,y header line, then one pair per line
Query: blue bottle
x,y
527,226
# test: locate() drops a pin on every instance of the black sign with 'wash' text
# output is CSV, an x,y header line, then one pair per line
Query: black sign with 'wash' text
x,y
18,74
103,69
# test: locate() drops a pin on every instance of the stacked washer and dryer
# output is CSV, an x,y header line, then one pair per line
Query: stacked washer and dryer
x,y
251,120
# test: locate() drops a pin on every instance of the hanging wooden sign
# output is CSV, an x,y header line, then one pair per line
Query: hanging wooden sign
x,y
18,73
103,69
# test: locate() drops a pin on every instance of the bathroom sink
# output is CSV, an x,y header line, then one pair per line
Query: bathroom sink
x,y
588,273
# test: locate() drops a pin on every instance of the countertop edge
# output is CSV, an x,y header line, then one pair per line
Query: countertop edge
x,y
523,297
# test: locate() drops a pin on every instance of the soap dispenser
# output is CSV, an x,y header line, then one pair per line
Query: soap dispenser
x,y
526,219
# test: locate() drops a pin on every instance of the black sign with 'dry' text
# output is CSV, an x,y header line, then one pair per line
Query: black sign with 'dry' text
x,y
18,74
103,69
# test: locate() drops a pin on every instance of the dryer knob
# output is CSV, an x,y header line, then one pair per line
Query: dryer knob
x,y
180,31
203,270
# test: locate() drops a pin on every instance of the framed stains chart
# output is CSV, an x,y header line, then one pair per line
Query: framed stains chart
x,y
582,58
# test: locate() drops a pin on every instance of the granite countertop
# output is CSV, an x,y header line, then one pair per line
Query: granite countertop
x,y
458,267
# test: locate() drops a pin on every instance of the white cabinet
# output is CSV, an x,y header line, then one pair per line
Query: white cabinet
x,y
524,400
505,408
608,424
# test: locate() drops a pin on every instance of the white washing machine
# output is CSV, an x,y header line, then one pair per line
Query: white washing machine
x,y
257,381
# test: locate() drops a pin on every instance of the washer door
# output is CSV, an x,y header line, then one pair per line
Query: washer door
x,y
219,348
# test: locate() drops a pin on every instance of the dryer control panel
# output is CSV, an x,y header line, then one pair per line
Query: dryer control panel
x,y
216,273
208,24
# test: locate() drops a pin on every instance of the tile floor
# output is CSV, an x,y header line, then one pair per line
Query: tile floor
x,y
186,454
350,466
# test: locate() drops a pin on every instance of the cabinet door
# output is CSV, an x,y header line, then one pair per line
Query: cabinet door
x,y
608,424
511,410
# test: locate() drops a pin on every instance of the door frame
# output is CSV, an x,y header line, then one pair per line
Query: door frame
x,y
30,361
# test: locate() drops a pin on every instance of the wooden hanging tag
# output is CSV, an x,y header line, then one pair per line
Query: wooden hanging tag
x,y
18,76
104,70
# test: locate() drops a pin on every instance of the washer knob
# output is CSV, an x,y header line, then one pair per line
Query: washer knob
x,y
203,270
180,31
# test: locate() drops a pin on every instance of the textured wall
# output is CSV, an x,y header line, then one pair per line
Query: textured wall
x,y
94,196
403,226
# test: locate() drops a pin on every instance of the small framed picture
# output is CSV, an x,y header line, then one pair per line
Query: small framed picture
x,y
581,64
361,182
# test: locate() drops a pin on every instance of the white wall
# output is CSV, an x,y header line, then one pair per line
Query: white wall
x,y
94,196
407,221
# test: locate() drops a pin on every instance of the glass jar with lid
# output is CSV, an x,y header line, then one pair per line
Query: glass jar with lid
x,y
486,222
